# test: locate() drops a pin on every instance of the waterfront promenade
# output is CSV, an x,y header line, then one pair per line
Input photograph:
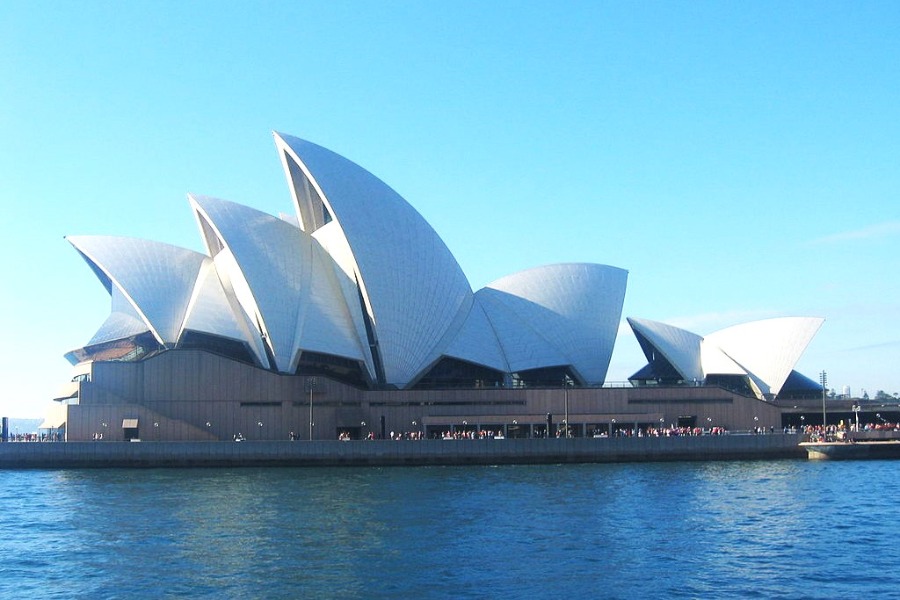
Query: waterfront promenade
x,y
398,453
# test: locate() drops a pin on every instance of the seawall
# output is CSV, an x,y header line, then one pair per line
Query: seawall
x,y
866,450
398,453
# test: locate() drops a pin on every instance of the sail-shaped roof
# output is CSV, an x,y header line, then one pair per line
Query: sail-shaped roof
x,y
357,275
411,286
563,314
679,347
764,352
282,279
156,279
768,349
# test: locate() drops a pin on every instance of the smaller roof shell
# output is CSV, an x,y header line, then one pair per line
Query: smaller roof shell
x,y
764,351
768,349
156,279
561,314
679,347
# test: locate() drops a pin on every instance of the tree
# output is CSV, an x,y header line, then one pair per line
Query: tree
x,y
882,395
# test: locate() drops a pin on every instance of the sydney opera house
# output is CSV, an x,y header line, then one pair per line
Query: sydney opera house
x,y
351,318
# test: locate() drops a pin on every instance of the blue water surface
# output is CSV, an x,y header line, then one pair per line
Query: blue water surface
x,y
784,529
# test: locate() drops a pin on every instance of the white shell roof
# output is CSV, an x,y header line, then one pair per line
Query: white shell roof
x,y
765,351
411,283
291,288
212,311
679,346
564,314
357,261
123,321
514,322
156,279
476,341
717,362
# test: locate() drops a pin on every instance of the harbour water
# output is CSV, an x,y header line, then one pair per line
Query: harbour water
x,y
764,529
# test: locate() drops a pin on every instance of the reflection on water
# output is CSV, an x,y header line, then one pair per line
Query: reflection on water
x,y
769,529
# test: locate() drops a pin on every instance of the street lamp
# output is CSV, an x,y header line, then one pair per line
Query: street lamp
x,y
566,398
824,380
311,383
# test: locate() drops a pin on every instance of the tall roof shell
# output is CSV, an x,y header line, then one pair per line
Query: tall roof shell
x,y
156,279
563,314
285,282
411,285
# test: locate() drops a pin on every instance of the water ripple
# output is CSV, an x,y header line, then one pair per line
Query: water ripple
x,y
782,529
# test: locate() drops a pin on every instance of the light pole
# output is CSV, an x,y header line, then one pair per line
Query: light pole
x,y
566,399
856,413
311,385
824,380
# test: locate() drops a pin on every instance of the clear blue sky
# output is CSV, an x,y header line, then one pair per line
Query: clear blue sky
x,y
739,159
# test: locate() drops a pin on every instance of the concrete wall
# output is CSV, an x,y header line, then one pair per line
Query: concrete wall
x,y
396,453
194,395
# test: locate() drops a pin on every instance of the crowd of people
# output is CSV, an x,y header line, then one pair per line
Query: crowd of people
x,y
498,434
842,431
55,436
481,434
671,431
